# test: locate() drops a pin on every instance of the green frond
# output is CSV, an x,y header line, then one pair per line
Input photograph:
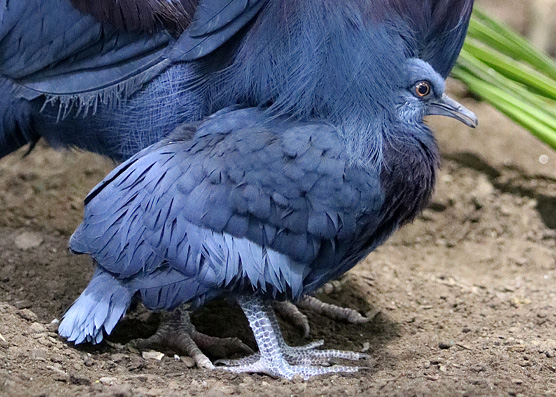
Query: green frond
x,y
504,69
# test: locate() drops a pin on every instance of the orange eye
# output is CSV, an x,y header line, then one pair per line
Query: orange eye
x,y
422,89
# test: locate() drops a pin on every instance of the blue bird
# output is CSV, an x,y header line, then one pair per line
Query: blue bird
x,y
326,155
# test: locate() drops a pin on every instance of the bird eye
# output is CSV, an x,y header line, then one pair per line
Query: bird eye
x,y
422,89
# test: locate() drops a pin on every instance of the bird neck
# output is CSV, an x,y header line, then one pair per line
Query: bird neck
x,y
410,160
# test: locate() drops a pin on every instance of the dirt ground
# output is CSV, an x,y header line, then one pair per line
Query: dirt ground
x,y
464,299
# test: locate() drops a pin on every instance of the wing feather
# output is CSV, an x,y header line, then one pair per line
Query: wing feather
x,y
257,225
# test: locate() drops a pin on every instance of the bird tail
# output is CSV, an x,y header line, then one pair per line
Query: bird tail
x,y
98,309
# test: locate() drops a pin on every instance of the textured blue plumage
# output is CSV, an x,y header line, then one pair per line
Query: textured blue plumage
x,y
199,216
216,22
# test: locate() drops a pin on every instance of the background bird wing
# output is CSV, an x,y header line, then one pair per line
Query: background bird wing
x,y
49,47
141,15
278,185
433,29
215,22
80,48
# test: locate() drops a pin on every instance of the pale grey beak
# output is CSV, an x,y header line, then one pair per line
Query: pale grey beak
x,y
446,106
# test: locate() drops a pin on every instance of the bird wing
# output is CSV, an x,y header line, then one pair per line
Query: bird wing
x,y
63,48
246,195
215,22
48,47
141,15
435,31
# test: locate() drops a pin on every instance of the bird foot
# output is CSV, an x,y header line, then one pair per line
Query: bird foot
x,y
278,359
281,368
176,333
291,313
306,355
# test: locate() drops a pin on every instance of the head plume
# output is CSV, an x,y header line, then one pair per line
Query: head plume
x,y
433,30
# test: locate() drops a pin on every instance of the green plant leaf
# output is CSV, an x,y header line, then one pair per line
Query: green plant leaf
x,y
504,69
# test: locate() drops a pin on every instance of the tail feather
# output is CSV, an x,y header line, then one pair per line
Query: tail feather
x,y
97,310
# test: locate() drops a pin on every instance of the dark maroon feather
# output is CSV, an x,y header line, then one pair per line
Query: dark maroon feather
x,y
141,15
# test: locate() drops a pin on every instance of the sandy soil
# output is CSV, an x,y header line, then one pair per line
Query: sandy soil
x,y
463,299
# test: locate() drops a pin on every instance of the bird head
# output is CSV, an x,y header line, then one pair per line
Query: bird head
x,y
423,95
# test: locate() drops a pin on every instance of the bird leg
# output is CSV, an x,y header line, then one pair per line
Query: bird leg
x,y
275,357
176,333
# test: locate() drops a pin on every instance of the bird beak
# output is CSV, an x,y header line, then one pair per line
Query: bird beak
x,y
446,106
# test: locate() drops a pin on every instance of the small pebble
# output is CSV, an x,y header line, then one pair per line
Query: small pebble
x,y
298,379
117,357
444,345
152,355
36,328
78,380
28,240
88,361
28,315
59,372
125,391
52,327
366,347
38,354
107,380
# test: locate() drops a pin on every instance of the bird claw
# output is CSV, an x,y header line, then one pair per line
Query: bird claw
x,y
176,333
178,342
220,347
331,287
332,311
291,313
